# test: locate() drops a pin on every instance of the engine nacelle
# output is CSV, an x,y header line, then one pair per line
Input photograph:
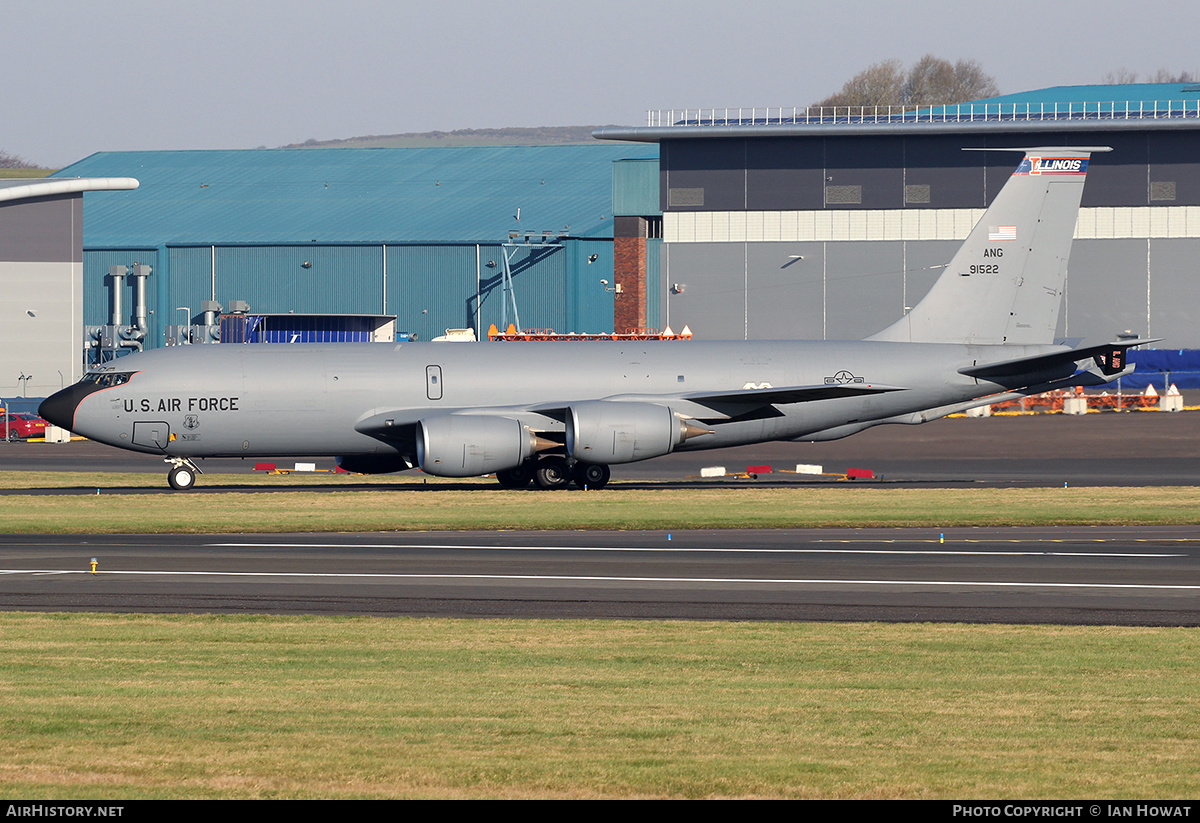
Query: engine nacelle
x,y
461,445
610,431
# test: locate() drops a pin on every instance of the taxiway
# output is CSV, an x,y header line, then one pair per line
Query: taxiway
x,y
1131,576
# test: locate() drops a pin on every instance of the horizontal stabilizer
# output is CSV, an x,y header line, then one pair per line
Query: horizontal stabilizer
x,y
1109,356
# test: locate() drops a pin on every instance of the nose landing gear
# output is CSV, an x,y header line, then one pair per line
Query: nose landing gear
x,y
182,474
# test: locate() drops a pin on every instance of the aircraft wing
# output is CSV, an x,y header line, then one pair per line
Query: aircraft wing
x,y
746,403
756,403
791,394
398,424
740,404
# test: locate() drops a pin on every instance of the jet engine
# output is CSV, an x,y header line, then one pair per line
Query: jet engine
x,y
609,431
460,445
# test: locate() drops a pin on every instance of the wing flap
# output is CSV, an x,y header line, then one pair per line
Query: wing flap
x,y
790,394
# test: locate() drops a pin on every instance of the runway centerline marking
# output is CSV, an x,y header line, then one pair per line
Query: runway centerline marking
x,y
560,578
680,549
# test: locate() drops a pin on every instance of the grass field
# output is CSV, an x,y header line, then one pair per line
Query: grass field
x,y
122,706
413,506
186,706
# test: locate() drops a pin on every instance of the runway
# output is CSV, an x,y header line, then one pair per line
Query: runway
x,y
1115,576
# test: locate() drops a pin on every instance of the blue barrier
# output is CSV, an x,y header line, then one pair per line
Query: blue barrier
x,y
1162,367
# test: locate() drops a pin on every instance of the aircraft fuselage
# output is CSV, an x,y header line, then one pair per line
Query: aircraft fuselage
x,y
281,400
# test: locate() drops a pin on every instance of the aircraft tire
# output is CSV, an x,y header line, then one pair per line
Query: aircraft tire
x,y
591,475
551,473
516,478
181,478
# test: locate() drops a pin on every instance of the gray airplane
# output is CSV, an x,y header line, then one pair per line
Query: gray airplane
x,y
553,413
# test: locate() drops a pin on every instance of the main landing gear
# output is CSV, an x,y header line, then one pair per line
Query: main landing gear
x,y
591,475
517,478
555,472
182,474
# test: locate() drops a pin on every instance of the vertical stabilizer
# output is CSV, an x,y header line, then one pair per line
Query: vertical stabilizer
x,y
1005,284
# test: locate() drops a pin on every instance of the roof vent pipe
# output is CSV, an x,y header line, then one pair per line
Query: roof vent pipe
x,y
117,275
141,272
211,309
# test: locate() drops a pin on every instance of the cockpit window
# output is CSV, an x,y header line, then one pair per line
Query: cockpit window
x,y
107,379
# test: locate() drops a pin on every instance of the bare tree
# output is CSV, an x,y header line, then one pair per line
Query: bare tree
x,y
931,81
1124,77
928,82
968,82
1120,77
881,84
11,161
1164,76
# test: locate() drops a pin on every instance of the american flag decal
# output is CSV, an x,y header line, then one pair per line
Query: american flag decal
x,y
1002,232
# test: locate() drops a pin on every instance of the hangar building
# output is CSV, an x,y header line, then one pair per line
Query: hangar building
x,y
786,224
422,235
41,261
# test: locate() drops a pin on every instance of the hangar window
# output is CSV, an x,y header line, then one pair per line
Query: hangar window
x,y
843,194
1162,190
916,194
685,197
654,228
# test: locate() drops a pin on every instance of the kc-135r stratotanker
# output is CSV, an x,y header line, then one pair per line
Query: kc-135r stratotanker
x,y
550,413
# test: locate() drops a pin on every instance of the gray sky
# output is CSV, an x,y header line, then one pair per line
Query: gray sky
x,y
82,76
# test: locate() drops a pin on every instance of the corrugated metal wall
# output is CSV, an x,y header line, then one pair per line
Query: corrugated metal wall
x,y
539,281
189,279
336,279
635,187
655,287
429,288
589,303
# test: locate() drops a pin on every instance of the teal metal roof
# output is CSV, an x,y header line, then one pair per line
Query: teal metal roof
x,y
1139,105
1147,94
419,195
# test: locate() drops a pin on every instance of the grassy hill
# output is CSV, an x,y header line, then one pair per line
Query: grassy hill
x,y
6,174
539,136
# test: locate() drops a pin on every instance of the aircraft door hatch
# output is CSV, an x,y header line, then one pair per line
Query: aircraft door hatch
x,y
152,434
433,382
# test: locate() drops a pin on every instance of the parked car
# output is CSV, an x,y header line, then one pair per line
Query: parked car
x,y
22,426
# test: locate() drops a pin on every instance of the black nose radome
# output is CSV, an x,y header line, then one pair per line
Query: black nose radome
x,y
59,408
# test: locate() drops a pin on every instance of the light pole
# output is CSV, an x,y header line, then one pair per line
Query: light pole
x,y
24,379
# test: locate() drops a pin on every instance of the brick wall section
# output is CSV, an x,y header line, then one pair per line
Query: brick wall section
x,y
629,269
